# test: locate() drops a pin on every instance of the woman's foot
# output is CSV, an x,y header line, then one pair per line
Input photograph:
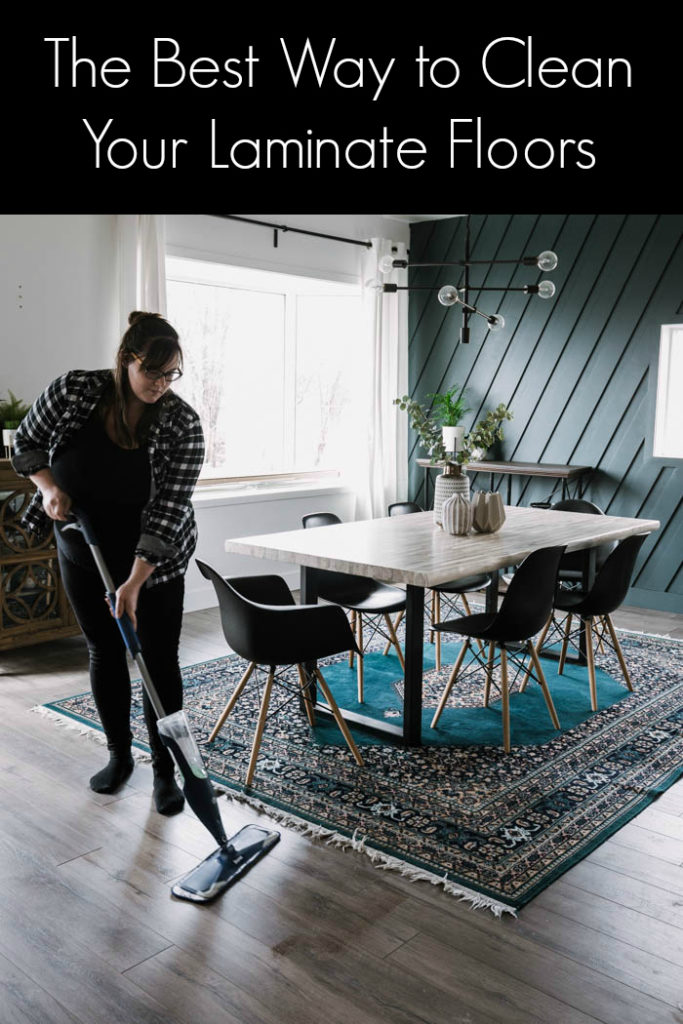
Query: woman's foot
x,y
168,797
116,773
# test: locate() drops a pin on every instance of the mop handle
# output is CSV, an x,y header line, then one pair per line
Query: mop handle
x,y
130,637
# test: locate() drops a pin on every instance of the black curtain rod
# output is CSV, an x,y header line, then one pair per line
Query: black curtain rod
x,y
284,227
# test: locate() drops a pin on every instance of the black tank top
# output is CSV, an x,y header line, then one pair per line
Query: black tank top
x,y
112,484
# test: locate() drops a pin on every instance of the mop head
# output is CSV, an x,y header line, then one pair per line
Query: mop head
x,y
225,865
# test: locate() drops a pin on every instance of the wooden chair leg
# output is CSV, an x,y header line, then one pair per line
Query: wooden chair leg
x,y
353,630
544,686
233,700
394,640
489,673
449,685
565,643
620,653
466,606
310,713
437,618
359,621
338,717
260,725
588,627
505,694
539,647
432,616
399,619
601,620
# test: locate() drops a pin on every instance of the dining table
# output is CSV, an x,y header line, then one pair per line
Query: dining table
x,y
411,551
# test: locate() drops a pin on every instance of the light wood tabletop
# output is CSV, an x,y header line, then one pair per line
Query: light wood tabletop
x,y
412,550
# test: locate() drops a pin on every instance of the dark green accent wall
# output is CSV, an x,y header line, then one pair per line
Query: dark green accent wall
x,y
579,371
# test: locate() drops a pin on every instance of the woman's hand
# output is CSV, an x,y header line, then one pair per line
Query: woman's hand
x,y
127,601
56,503
128,593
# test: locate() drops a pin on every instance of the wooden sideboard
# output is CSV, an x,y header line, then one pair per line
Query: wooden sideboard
x,y
33,604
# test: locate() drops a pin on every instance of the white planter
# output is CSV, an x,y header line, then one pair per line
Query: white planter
x,y
8,441
452,438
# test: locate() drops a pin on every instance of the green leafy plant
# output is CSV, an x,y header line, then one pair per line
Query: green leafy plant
x,y
449,407
474,445
12,411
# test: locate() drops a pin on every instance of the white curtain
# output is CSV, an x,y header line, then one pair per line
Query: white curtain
x,y
142,264
383,473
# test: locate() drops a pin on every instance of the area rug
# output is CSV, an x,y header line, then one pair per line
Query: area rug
x,y
492,828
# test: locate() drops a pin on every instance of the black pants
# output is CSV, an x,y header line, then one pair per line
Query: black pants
x,y
159,616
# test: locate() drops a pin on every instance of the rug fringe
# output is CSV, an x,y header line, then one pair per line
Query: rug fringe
x,y
380,860
94,735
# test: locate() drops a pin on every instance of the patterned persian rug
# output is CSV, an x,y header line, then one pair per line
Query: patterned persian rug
x,y
493,828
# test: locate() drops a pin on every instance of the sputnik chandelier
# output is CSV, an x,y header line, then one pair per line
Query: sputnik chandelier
x,y
452,295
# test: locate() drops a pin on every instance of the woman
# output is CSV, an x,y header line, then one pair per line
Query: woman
x,y
128,450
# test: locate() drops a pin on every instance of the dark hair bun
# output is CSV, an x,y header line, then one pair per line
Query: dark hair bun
x,y
136,316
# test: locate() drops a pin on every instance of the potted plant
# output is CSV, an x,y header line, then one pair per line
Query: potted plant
x,y
12,412
473,447
449,408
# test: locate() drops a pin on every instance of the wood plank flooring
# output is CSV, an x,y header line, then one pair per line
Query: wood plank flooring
x,y
89,933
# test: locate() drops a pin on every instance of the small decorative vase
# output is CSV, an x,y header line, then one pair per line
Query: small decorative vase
x,y
488,514
451,481
457,515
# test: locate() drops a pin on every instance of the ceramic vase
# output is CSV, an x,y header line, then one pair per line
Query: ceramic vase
x,y
451,481
457,515
488,513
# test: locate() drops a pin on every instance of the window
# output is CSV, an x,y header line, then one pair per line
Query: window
x,y
274,365
668,435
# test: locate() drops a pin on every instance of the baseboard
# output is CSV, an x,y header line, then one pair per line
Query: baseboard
x,y
658,600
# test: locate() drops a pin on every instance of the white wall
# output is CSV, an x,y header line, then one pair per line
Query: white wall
x,y
59,293
59,298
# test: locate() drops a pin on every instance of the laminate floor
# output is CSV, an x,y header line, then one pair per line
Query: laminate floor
x,y
89,934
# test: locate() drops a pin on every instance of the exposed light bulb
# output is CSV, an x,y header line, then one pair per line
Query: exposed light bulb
x,y
373,284
547,260
496,322
546,290
386,264
448,295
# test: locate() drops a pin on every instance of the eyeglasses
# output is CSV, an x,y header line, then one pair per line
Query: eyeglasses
x,y
155,375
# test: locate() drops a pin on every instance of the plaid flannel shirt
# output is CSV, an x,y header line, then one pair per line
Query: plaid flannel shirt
x,y
175,446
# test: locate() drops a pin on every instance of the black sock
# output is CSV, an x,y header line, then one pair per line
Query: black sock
x,y
111,778
168,797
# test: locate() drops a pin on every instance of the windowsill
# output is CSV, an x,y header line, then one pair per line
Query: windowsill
x,y
246,494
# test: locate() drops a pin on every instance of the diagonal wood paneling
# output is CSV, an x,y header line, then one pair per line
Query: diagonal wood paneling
x,y
578,371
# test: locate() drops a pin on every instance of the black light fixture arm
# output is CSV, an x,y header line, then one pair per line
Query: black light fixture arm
x,y
450,295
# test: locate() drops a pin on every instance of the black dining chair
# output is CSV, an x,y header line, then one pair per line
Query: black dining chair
x,y
525,608
263,624
572,567
365,598
453,592
595,608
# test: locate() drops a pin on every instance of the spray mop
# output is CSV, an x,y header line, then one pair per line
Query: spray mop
x,y
233,855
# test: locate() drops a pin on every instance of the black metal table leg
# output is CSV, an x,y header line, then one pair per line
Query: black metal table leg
x,y
309,595
492,594
412,691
